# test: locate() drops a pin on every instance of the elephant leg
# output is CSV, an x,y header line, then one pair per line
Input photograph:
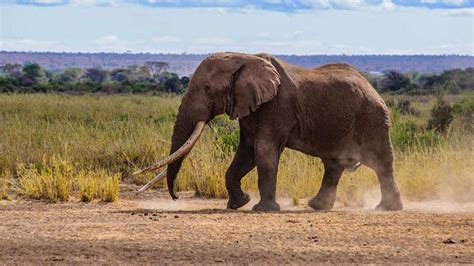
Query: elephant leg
x,y
391,200
380,159
243,162
267,155
326,196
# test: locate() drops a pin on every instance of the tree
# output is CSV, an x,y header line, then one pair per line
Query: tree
x,y
394,81
155,68
13,70
185,81
120,74
173,84
96,75
451,87
31,74
69,75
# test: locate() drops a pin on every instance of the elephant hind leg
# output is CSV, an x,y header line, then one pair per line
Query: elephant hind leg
x,y
326,196
381,161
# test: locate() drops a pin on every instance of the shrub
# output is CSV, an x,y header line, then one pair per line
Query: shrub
x,y
407,133
441,115
464,110
403,106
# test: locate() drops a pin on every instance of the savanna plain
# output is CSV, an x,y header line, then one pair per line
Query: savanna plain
x,y
66,194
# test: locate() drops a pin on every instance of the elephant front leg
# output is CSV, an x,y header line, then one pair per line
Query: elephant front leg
x,y
243,162
267,155
327,193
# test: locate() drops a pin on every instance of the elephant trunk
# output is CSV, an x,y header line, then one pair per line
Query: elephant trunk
x,y
182,132
192,117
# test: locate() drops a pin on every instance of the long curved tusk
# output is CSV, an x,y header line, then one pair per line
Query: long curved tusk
x,y
183,150
153,181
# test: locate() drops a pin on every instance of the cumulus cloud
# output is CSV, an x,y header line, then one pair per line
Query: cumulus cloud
x,y
271,5
446,2
47,3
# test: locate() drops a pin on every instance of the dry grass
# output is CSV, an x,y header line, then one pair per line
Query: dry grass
x,y
4,186
51,181
102,136
56,179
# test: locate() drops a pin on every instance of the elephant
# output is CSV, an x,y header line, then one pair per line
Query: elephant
x,y
331,112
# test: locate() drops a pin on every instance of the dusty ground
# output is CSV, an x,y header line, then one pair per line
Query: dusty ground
x,y
152,228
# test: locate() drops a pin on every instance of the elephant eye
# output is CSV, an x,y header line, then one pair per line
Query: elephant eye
x,y
207,88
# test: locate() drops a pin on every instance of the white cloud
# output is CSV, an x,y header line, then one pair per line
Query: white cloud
x,y
447,48
446,2
47,2
111,43
387,5
32,45
461,12
347,4
94,2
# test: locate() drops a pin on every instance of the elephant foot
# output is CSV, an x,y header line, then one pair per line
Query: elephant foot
x,y
321,203
266,206
390,204
239,202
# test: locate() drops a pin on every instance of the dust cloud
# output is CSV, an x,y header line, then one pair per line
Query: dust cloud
x,y
370,201
443,203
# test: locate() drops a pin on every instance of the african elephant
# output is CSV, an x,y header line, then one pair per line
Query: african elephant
x,y
331,112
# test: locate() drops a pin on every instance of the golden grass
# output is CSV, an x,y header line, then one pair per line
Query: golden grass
x,y
103,135
56,179
4,186
51,181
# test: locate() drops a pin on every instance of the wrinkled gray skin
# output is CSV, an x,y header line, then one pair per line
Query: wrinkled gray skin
x,y
330,112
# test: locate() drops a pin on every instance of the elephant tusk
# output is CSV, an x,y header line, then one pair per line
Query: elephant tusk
x,y
183,150
153,181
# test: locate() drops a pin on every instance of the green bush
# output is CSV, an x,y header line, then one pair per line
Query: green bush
x,y
464,111
407,133
441,115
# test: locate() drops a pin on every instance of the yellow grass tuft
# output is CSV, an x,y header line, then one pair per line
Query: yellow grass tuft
x,y
51,181
4,186
109,189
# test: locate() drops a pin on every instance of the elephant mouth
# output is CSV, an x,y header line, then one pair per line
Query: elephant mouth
x,y
182,151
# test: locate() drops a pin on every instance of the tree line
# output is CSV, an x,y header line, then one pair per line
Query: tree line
x,y
452,81
152,77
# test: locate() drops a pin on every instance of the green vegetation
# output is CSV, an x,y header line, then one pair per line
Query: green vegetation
x,y
57,147
151,78
453,81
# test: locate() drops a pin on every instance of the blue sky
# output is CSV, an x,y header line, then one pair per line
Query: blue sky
x,y
274,26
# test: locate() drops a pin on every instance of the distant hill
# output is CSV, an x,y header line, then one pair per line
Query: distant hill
x,y
185,64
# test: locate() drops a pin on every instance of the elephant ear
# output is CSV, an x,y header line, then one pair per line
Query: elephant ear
x,y
254,83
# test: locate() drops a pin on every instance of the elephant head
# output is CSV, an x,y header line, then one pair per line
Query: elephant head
x,y
232,83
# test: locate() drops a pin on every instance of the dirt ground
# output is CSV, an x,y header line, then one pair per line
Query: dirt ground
x,y
152,228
